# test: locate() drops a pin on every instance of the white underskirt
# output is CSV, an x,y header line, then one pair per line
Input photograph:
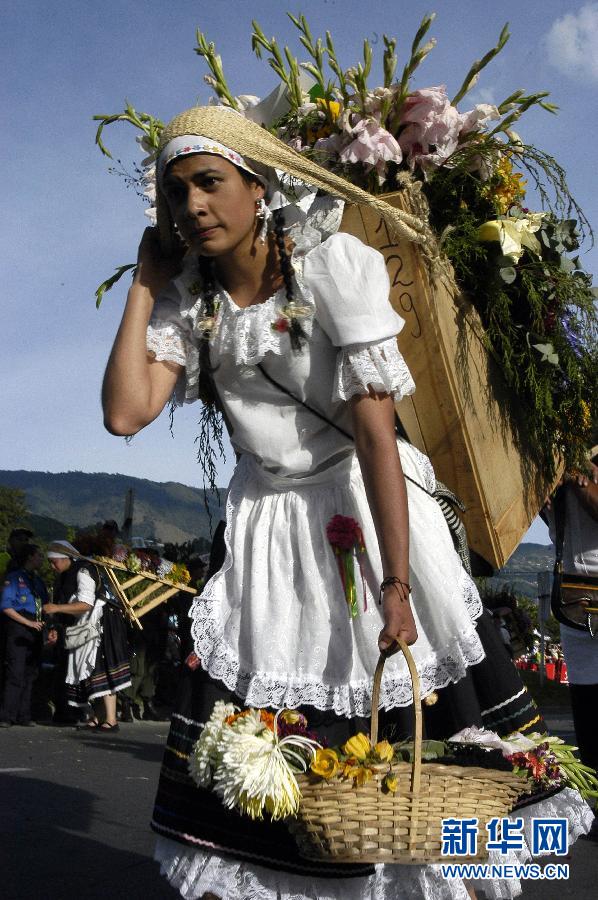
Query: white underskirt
x,y
194,872
273,623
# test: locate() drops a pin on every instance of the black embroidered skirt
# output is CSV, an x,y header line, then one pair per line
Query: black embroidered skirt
x,y
111,672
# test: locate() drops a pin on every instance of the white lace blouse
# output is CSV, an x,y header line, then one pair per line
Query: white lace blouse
x,y
342,287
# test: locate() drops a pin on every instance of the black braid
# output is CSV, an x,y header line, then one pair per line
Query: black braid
x,y
296,332
206,370
210,438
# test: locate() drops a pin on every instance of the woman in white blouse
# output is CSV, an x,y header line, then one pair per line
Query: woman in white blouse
x,y
299,348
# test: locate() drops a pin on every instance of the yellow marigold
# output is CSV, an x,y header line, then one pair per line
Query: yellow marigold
x,y
326,763
391,783
384,751
358,746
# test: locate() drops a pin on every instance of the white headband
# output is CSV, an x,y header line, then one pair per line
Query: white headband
x,y
187,144
62,550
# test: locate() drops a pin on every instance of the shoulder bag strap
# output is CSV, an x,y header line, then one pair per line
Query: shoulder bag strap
x,y
328,421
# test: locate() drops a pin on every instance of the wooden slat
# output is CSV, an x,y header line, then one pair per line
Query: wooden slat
x,y
139,598
153,603
131,581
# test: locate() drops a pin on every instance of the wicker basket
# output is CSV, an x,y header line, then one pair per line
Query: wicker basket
x,y
341,823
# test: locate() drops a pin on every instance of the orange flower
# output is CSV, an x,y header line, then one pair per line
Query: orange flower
x,y
267,718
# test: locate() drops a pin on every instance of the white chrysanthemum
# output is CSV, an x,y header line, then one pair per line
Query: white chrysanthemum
x,y
253,775
249,723
207,751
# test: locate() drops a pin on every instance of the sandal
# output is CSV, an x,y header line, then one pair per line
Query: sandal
x,y
106,726
91,725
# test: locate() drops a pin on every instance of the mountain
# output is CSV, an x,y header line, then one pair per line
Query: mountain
x,y
172,512
522,568
166,511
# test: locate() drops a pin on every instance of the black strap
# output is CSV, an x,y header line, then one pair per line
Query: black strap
x,y
328,421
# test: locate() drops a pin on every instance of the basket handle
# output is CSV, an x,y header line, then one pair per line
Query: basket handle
x,y
417,711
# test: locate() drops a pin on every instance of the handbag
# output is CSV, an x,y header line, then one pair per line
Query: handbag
x,y
76,636
574,598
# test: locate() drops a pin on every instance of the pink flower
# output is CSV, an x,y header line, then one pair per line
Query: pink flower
x,y
432,127
372,146
477,117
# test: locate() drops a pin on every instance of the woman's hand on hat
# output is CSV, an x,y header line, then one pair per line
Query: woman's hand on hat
x,y
155,269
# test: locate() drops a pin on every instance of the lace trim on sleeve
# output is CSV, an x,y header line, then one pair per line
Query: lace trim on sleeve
x,y
168,343
379,366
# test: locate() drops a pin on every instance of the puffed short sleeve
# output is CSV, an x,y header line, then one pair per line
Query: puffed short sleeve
x,y
170,339
350,285
351,289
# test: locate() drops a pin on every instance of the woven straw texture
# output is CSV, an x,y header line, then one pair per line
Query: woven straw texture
x,y
342,823
255,143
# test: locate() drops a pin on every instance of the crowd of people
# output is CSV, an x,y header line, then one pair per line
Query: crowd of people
x,y
68,652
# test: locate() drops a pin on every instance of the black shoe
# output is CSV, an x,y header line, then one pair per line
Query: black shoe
x,y
126,713
151,714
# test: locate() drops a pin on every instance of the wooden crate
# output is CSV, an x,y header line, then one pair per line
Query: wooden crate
x,y
136,603
456,415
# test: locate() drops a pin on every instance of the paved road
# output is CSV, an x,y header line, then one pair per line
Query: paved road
x,y
74,813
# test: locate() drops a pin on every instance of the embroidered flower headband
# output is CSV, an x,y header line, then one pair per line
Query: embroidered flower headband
x,y
187,144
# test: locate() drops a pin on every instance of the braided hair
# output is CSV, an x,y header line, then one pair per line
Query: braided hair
x,y
296,332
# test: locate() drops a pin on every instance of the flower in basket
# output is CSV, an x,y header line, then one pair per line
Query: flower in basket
x,y
346,538
358,746
391,783
120,553
242,756
514,234
384,751
326,763
179,574
207,749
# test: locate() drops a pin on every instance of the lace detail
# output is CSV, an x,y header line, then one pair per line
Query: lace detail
x,y
261,688
244,334
379,366
168,342
194,872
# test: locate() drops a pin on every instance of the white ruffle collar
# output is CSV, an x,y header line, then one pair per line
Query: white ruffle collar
x,y
245,334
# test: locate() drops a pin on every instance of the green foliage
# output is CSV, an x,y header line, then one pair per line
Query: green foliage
x,y
13,512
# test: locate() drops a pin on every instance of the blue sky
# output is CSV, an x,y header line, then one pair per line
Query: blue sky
x,y
67,223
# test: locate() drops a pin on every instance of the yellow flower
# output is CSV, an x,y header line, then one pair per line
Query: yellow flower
x,y
391,783
359,746
290,716
362,776
513,234
384,751
326,763
351,768
332,106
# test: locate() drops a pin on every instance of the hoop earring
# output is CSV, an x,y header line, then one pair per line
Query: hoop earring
x,y
263,214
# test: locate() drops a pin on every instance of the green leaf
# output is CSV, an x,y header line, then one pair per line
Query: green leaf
x,y
110,282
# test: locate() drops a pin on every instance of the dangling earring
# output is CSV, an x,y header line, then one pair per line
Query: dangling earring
x,y
264,213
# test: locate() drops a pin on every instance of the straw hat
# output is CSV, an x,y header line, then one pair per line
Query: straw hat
x,y
253,142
